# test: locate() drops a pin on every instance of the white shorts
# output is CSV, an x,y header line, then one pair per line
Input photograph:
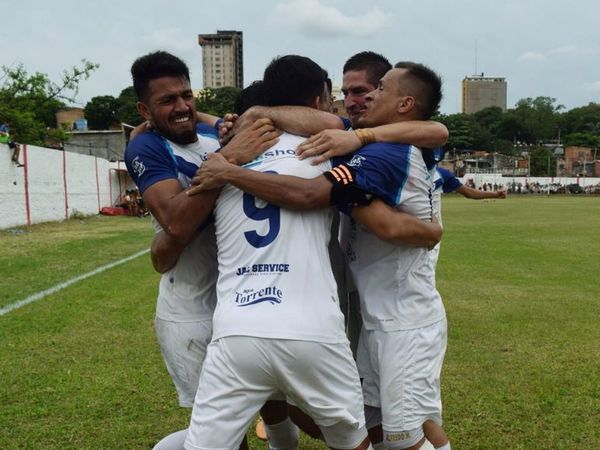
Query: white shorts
x,y
183,346
241,373
400,373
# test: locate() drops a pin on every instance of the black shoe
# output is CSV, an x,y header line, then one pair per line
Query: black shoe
x,y
20,165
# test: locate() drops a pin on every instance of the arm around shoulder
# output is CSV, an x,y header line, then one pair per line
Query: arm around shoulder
x,y
397,227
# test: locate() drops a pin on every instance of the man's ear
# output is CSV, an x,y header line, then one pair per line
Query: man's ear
x,y
316,104
143,110
406,104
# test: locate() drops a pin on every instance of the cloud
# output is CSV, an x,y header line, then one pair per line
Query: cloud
x,y
166,38
564,49
595,86
532,56
317,20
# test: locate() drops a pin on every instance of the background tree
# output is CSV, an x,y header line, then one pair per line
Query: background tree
x,y
218,101
542,162
537,119
582,139
461,128
127,112
29,102
101,112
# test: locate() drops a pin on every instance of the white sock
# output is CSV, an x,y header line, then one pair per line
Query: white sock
x,y
173,441
282,435
445,447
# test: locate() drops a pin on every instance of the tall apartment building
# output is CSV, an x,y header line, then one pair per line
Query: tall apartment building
x,y
480,92
222,59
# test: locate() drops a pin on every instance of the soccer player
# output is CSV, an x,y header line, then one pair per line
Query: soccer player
x,y
162,161
277,327
404,338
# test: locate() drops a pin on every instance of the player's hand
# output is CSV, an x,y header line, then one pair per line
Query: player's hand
x,y
211,175
144,126
251,142
327,144
226,128
501,194
436,230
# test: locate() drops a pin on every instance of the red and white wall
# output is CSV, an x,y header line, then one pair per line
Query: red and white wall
x,y
54,184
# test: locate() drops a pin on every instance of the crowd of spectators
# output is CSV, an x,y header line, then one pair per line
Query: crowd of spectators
x,y
526,187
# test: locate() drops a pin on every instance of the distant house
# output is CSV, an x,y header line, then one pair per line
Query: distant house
x,y
579,161
70,118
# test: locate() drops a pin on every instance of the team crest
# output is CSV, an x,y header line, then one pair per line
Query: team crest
x,y
356,161
138,166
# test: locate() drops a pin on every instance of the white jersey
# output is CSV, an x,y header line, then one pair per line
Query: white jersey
x,y
187,291
275,279
396,283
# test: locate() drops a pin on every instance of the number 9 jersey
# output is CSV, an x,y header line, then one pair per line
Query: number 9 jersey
x,y
275,279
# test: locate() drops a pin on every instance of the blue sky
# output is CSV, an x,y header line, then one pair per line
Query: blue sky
x,y
549,48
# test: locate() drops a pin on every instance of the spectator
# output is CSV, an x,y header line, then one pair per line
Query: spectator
x,y
5,139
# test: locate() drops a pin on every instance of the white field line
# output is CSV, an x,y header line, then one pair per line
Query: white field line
x,y
58,287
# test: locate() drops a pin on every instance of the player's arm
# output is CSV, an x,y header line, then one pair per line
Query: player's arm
x,y
164,252
180,215
329,143
285,191
397,227
207,119
300,120
476,194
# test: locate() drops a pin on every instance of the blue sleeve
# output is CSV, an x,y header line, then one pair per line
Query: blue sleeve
x,y
206,130
217,125
347,124
449,182
149,161
382,169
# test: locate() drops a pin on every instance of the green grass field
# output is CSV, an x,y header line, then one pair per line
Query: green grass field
x,y
80,369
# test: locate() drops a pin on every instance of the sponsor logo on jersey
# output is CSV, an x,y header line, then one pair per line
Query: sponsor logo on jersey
x,y
249,297
263,269
356,161
276,153
138,166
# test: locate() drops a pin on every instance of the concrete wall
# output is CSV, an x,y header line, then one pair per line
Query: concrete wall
x,y
107,144
55,184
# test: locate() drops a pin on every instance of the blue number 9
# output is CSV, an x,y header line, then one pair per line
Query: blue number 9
x,y
268,212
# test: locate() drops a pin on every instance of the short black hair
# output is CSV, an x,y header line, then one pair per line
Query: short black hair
x,y
374,64
427,87
250,96
156,65
293,80
329,85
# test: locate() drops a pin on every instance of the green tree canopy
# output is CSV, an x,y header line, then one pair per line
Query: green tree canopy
x,y
583,119
218,101
127,112
542,162
582,139
101,112
461,129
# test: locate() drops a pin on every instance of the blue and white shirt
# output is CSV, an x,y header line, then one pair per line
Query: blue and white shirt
x,y
186,292
396,283
275,279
